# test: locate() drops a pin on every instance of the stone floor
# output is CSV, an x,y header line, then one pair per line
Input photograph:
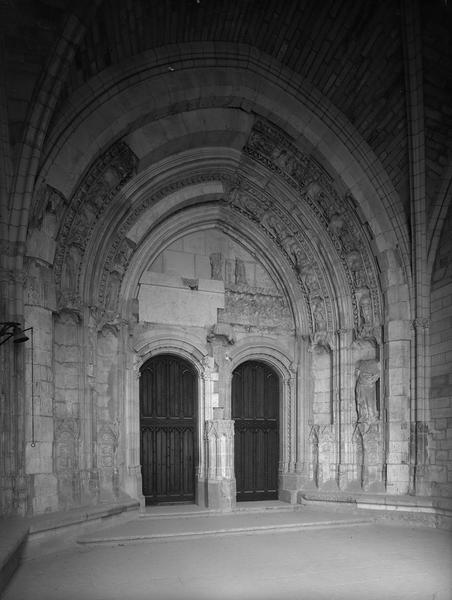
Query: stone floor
x,y
328,556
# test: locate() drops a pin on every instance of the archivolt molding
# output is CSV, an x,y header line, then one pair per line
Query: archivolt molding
x,y
337,215
118,255
149,343
315,206
98,187
151,89
265,349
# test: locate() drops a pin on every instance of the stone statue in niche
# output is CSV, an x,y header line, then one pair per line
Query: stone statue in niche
x,y
318,313
34,284
248,203
240,272
367,374
230,271
283,159
296,253
356,267
80,229
48,201
111,297
73,259
310,279
216,266
336,223
365,314
313,189
273,226
260,143
124,254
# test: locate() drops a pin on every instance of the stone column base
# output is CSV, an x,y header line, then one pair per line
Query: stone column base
x,y
221,494
289,485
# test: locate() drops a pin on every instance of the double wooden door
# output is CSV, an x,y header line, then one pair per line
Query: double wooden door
x,y
168,391
255,410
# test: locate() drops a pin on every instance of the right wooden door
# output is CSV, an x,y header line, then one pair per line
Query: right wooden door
x,y
255,410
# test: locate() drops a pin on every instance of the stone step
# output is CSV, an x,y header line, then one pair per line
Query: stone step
x,y
179,527
191,510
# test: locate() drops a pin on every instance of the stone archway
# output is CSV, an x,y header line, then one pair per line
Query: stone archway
x,y
305,226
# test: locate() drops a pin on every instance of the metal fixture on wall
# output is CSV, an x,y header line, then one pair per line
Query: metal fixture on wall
x,y
12,329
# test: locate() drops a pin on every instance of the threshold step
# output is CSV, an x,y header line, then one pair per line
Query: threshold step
x,y
192,510
178,536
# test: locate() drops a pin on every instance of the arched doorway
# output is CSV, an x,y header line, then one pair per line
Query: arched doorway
x,y
168,392
255,410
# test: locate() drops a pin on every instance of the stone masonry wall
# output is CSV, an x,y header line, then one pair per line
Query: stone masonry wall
x,y
440,451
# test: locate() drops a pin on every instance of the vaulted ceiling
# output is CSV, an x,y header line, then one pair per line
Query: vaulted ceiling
x,y
352,52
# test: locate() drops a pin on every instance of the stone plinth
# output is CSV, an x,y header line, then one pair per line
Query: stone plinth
x,y
220,485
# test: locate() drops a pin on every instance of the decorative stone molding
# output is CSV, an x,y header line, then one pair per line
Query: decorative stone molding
x,y
72,312
219,436
38,284
67,436
271,147
131,218
256,306
251,202
46,199
222,333
421,324
104,179
107,444
318,201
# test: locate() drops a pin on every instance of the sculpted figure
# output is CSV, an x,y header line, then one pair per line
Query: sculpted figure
x,y
73,258
365,314
216,266
310,279
367,374
356,267
113,291
260,143
318,312
336,223
240,272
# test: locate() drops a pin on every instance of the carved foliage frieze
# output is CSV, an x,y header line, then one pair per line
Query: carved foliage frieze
x,y
270,146
107,445
47,200
285,232
67,434
104,179
255,306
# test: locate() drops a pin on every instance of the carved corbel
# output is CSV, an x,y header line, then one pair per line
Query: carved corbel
x,y
421,324
222,334
72,311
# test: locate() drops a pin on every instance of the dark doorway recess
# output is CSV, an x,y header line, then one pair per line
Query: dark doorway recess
x,y
168,391
255,410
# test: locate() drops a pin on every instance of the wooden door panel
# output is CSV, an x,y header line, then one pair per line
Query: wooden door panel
x,y
255,410
168,444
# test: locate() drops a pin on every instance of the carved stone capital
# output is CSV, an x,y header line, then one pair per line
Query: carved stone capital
x,y
216,428
421,323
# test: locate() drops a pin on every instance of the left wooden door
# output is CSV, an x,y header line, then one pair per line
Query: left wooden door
x,y
168,390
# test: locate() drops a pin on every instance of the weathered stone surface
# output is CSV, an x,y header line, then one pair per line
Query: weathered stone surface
x,y
268,197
